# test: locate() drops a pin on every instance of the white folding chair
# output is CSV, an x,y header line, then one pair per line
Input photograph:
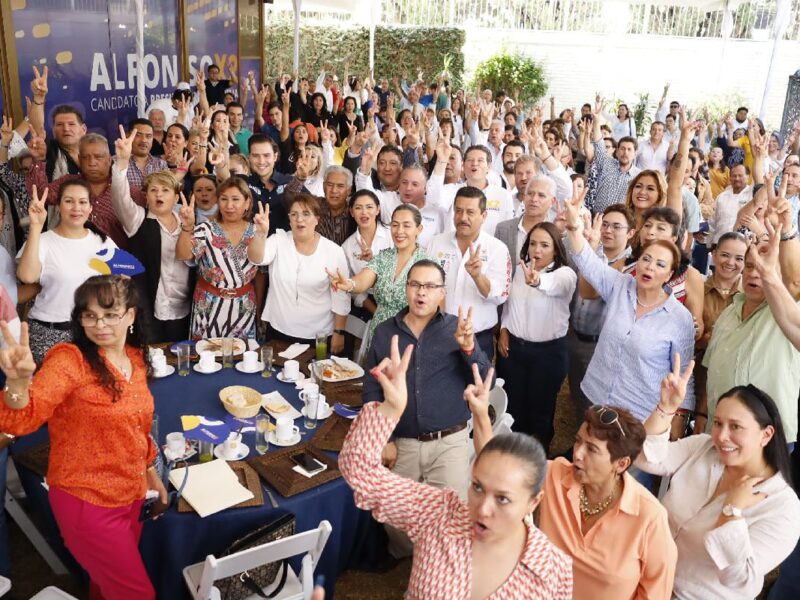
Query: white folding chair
x,y
200,577
503,425
498,399
52,593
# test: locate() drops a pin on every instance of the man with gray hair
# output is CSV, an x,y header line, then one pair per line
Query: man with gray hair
x,y
94,160
334,221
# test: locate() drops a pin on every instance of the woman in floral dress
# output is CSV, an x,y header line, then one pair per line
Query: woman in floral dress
x,y
386,272
224,302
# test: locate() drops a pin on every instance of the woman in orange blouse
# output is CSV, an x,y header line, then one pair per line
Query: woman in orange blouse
x,y
93,395
616,531
483,548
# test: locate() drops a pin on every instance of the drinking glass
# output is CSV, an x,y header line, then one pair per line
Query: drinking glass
x,y
311,402
227,353
322,345
205,450
262,433
266,361
184,352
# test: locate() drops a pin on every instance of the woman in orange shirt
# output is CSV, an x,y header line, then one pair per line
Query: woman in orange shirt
x,y
93,395
616,531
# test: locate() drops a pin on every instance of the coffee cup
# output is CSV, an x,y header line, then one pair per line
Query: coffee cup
x,y
291,370
230,447
206,361
176,443
285,429
159,362
250,360
155,352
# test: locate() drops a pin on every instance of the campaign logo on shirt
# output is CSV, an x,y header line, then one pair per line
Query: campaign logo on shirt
x,y
113,261
492,204
443,258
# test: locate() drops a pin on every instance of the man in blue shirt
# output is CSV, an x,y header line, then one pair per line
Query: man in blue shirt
x,y
431,441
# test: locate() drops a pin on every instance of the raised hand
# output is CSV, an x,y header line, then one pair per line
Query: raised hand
x,y
532,276
324,132
465,335
765,255
367,159
39,83
366,249
261,95
338,281
599,106
592,231
673,386
16,359
261,219
572,208
123,145
391,374
37,211
217,156
37,146
303,167
443,149
186,213
200,81
183,163
7,130
473,264
476,394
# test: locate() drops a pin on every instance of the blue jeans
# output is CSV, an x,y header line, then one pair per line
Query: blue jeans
x,y
787,587
5,562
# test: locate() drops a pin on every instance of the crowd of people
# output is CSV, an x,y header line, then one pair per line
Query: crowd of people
x,y
470,236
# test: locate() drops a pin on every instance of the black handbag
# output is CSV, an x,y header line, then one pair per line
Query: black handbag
x,y
247,583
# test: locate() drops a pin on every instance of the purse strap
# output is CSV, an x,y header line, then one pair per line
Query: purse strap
x,y
251,585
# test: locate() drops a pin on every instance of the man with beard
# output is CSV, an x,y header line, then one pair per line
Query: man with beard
x,y
511,153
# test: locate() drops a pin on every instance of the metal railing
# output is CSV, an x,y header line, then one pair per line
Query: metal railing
x,y
751,20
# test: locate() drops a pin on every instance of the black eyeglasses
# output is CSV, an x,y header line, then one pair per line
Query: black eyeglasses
x,y
608,416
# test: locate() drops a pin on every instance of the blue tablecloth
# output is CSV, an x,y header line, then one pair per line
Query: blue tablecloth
x,y
180,539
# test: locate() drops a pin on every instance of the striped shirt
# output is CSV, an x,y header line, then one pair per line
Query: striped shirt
x,y
612,183
632,355
438,524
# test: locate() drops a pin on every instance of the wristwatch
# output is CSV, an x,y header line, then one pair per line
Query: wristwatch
x,y
339,331
729,510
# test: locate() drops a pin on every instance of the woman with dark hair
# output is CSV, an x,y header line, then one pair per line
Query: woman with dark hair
x,y
486,547
318,110
623,125
387,271
176,139
204,190
97,479
532,345
293,140
59,259
221,137
732,511
348,118
593,509
224,300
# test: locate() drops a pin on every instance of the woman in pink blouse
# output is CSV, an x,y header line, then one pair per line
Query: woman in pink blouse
x,y
487,547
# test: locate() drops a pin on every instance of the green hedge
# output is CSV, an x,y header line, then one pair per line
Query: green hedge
x,y
426,49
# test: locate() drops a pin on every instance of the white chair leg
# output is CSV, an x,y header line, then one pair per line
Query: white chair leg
x,y
36,538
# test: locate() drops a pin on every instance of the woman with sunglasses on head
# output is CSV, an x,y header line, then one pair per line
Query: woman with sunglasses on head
x,y
97,480
614,529
532,345
732,511
486,547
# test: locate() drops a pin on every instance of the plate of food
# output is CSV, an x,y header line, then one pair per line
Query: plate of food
x,y
340,369
215,345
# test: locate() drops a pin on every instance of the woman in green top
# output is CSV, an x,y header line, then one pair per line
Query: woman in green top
x,y
386,272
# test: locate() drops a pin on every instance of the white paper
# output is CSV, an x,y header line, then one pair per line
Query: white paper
x,y
210,487
294,351
277,398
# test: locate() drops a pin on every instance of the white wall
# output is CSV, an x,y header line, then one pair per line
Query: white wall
x,y
620,66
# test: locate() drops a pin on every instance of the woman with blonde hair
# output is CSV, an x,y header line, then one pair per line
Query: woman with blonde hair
x,y
224,295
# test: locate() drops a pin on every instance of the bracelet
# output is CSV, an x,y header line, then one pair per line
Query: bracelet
x,y
38,103
469,352
181,169
789,236
663,412
202,145
549,156
339,332
5,146
14,397
190,230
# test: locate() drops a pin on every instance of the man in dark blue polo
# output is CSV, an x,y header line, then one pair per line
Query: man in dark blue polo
x,y
267,184
430,442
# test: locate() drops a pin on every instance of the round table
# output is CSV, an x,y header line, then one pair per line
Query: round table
x,y
180,539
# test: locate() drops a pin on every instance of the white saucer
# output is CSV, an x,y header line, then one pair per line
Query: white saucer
x,y
243,452
167,372
291,442
322,416
217,367
258,368
300,377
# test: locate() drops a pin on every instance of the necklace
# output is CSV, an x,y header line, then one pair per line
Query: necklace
x,y
587,510
643,305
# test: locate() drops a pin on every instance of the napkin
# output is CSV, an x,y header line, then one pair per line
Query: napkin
x,y
294,351
210,487
275,398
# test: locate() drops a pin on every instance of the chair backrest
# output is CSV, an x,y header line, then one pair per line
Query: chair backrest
x,y
503,425
311,542
498,399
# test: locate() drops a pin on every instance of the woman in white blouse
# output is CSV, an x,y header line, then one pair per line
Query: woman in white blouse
x,y
370,238
300,301
732,511
623,125
532,344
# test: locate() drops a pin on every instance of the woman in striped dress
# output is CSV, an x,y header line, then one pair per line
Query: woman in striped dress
x,y
224,302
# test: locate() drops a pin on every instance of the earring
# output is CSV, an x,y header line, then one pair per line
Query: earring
x,y
131,329
528,519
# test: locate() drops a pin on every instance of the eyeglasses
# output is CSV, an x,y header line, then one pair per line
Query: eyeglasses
x,y
428,287
613,226
608,416
89,320
306,214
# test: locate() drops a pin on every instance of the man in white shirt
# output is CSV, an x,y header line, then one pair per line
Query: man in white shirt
x,y
511,153
494,142
654,153
499,205
324,84
729,203
477,265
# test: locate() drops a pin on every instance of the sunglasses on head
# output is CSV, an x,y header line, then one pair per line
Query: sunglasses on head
x,y
608,416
